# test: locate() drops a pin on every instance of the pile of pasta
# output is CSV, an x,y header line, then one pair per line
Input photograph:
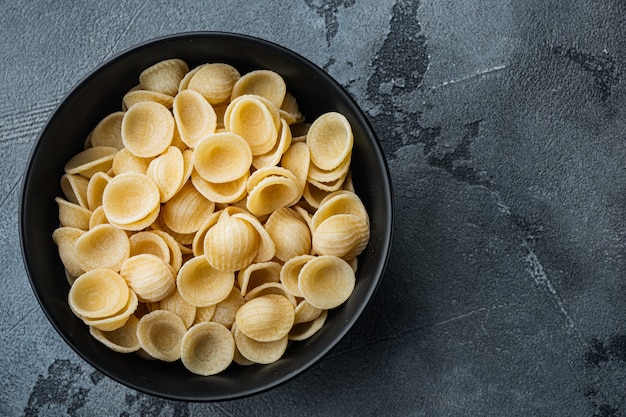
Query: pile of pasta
x,y
207,221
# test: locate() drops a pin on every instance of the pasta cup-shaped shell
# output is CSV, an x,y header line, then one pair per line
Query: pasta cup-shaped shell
x,y
249,117
313,195
98,293
65,238
333,175
125,161
91,160
95,189
108,132
260,352
215,82
239,359
257,274
289,232
150,243
264,83
139,224
121,340
73,215
97,218
272,193
204,313
341,235
167,171
302,331
201,285
74,188
340,202
289,109
330,140
270,288
160,334
231,244
147,129
184,82
197,246
266,318
207,348
226,310
273,156
222,157
305,312
177,304
140,96
290,271
297,160
150,277
176,256
227,192
326,282
104,246
164,76
130,197
328,186
195,117
187,210
117,320
266,248
262,173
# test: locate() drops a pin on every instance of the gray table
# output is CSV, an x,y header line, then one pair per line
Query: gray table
x,y
503,123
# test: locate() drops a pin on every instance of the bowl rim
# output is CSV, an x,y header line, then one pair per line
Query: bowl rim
x,y
387,197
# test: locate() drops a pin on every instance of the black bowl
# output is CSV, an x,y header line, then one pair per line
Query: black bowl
x,y
99,94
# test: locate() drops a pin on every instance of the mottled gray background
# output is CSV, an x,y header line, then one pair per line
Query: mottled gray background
x,y
503,122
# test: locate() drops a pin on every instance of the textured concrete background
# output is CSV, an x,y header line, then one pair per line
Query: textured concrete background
x,y
503,122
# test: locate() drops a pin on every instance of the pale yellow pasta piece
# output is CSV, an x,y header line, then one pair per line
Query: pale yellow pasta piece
x,y
197,246
207,348
270,288
147,129
274,155
167,171
151,243
271,193
304,213
195,117
204,313
257,274
305,312
187,210
177,304
341,235
117,320
183,239
176,255
290,111
226,310
231,244
139,224
330,186
202,285
125,161
297,160
215,81
339,202
260,352
266,249
326,282
328,176
289,232
290,271
164,76
141,96
258,175
65,238
313,195
103,246
91,160
73,215
108,132
98,293
121,340
264,83
74,188
184,82
95,189
251,118
220,110
130,197
160,334
302,331
227,192
150,277
222,157
266,318
238,358
330,140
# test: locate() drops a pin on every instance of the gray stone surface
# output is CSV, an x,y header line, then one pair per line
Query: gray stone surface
x,y
503,123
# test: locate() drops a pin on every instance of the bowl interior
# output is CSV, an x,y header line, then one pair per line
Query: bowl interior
x,y
99,94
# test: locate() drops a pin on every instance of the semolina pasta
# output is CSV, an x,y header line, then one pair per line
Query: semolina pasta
x,y
206,222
